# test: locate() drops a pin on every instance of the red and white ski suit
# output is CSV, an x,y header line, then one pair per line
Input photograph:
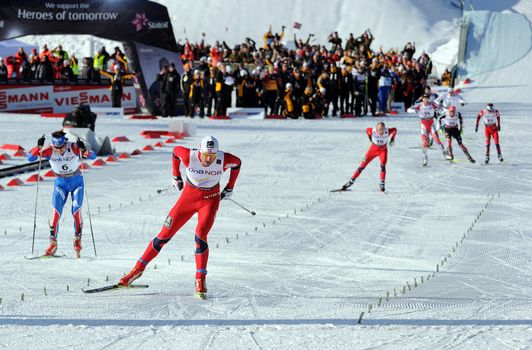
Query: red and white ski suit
x,y
426,114
201,195
378,148
492,125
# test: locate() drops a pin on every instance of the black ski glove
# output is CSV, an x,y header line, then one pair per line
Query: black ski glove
x,y
177,181
226,193
81,145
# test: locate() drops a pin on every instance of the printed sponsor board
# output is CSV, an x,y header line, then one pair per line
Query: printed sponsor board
x,y
59,99
245,113
108,112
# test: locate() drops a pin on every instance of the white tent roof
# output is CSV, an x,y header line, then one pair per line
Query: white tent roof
x,y
10,47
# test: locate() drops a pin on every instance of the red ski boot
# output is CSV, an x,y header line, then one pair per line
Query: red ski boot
x,y
52,248
77,246
130,277
201,289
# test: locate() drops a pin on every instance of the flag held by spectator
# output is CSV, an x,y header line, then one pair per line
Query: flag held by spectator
x,y
297,25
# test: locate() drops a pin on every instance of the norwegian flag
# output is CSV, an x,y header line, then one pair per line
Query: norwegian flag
x,y
297,25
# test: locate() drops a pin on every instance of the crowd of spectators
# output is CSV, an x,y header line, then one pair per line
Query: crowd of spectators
x,y
57,65
310,80
306,80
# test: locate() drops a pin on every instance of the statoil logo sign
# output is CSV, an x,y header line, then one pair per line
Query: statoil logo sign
x,y
141,21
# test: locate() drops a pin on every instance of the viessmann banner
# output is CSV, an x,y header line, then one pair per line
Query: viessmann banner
x,y
122,20
60,98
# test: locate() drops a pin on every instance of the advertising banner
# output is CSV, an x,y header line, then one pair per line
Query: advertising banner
x,y
60,99
397,107
108,112
245,113
141,23
135,20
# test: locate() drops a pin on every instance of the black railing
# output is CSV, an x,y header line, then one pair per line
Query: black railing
x,y
24,168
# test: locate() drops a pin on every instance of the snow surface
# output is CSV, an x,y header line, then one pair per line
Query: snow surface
x,y
300,272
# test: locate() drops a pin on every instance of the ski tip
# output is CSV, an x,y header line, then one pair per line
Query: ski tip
x,y
44,257
112,287
200,296
340,190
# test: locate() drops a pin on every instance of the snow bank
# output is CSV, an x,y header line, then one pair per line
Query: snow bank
x,y
499,56
495,40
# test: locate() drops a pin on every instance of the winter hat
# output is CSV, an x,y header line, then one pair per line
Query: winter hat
x,y
209,144
58,138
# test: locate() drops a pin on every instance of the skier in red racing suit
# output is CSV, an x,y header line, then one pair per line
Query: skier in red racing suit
x,y
378,137
201,194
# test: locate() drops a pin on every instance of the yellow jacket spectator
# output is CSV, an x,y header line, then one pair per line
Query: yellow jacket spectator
x,y
117,85
196,87
323,80
74,65
288,102
446,78
99,60
270,39
306,103
123,62
196,94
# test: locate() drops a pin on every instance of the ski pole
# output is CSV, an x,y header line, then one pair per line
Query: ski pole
x,y
36,198
164,189
88,206
241,206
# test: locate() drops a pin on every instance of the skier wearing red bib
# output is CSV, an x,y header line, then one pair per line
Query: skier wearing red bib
x,y
201,194
378,137
426,111
492,125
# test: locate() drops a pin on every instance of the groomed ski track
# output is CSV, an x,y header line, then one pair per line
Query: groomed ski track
x,y
300,272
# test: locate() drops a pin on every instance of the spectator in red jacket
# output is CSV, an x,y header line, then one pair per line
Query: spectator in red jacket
x,y
10,65
20,58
